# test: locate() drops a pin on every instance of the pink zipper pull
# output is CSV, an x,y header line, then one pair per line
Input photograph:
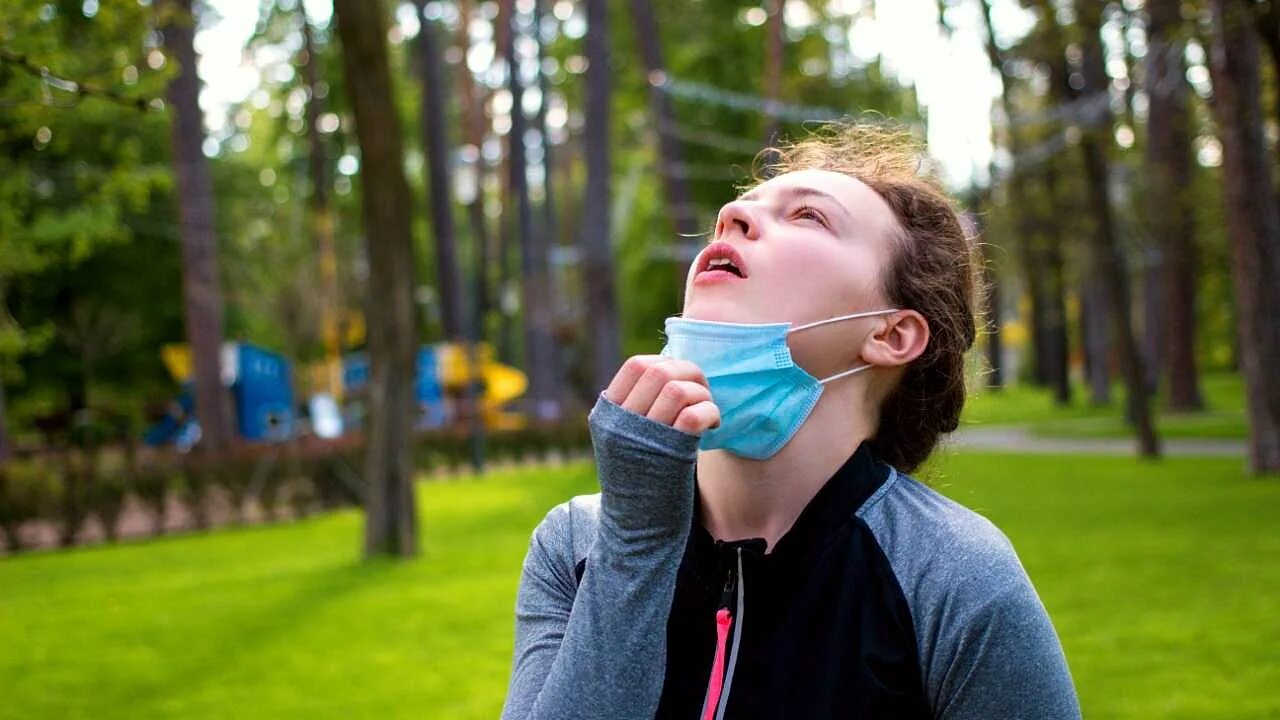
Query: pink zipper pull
x,y
723,621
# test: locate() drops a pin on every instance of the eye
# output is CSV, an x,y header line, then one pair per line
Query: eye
x,y
805,212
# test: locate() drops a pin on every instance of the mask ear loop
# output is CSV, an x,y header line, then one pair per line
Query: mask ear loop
x,y
854,316
842,318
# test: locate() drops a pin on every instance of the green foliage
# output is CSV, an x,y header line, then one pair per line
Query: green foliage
x,y
83,205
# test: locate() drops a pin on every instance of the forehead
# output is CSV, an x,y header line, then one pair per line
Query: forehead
x,y
862,203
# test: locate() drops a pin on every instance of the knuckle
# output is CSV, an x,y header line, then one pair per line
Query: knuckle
x,y
675,392
658,372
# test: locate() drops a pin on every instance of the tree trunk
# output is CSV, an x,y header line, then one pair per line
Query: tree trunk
x,y
474,130
1253,223
1267,16
602,312
775,40
544,392
1040,257
390,517
322,218
436,147
202,297
1108,259
1170,213
1093,339
1055,346
663,116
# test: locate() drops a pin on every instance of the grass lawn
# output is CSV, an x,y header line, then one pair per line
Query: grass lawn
x,y
1162,580
1223,417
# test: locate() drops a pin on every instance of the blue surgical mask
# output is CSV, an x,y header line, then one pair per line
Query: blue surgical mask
x,y
763,396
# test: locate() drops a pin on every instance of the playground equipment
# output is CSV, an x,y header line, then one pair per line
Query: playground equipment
x,y
443,374
260,383
261,387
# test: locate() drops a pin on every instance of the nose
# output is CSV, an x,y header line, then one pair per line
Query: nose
x,y
738,216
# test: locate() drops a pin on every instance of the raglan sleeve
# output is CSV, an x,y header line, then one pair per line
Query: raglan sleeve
x,y
995,653
598,650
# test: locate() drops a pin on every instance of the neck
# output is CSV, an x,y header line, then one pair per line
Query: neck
x,y
743,498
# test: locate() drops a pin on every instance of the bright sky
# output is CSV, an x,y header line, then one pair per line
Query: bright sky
x,y
952,77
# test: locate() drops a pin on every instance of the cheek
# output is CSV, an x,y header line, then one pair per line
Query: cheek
x,y
838,273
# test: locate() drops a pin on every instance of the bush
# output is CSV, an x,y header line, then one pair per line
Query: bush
x,y
24,495
106,500
152,485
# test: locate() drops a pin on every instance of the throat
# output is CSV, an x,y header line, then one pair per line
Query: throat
x,y
741,498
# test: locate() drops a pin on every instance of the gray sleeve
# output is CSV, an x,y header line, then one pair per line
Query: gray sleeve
x,y
987,647
600,651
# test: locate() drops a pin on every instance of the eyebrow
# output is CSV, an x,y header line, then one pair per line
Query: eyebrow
x,y
795,191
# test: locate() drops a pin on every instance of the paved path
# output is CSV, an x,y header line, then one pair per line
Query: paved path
x,y
1014,438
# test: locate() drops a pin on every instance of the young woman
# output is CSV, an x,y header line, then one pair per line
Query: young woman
x,y
757,550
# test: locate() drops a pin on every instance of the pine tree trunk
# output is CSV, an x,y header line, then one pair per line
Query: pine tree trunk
x,y
435,145
663,116
390,517
1108,260
322,217
1093,339
775,29
474,125
602,312
1039,256
201,294
1170,213
544,391
1253,223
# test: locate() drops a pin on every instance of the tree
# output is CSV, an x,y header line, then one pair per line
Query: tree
x,y
202,295
602,312
1253,222
539,347
322,216
1107,258
390,513
663,116
775,29
1170,214
474,123
435,146
1039,251
1267,18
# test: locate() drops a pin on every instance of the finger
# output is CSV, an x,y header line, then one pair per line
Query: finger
x,y
655,377
674,397
651,382
698,418
627,375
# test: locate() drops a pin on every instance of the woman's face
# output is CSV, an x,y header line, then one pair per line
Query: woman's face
x,y
805,246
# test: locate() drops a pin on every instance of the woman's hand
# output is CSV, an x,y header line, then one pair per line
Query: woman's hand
x,y
672,392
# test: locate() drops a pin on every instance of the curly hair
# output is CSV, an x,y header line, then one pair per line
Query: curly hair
x,y
933,270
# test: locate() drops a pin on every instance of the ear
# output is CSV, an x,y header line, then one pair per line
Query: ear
x,y
900,339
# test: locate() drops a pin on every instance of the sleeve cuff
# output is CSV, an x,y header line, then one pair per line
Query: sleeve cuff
x,y
633,429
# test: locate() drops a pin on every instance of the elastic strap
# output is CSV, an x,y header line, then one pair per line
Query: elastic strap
x,y
845,373
855,316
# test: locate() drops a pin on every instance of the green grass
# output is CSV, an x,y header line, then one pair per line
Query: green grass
x,y
1223,417
1161,580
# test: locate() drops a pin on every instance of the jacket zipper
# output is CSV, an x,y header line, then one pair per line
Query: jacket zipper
x,y
721,680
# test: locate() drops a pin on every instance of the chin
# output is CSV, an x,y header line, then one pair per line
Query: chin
x,y
718,310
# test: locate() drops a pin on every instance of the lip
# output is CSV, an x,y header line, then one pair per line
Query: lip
x,y
714,277
715,251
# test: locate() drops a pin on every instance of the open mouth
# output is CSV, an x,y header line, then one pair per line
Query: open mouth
x,y
722,257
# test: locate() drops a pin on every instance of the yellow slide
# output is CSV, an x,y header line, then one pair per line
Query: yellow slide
x,y
502,383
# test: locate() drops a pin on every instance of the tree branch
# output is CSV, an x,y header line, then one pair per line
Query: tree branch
x,y
42,72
